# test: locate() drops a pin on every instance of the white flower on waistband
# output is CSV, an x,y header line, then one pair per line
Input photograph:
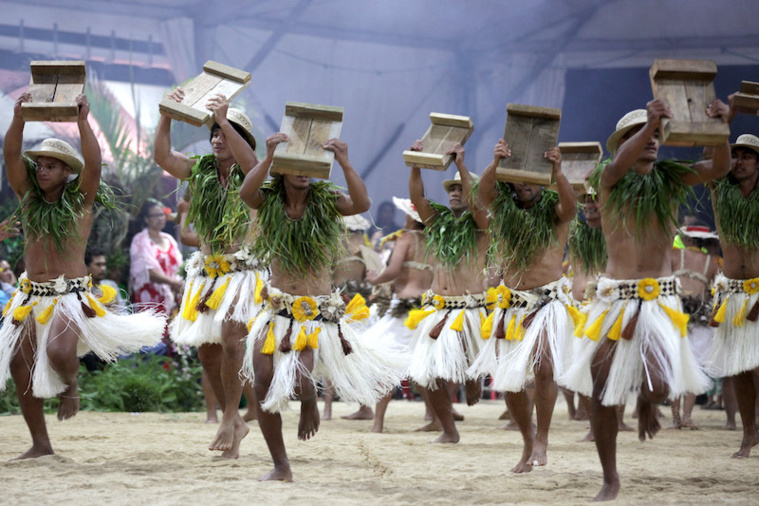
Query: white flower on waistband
x,y
333,309
607,290
720,285
60,284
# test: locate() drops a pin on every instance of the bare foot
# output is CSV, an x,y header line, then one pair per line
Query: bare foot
x,y
505,415
309,420
212,419
512,425
241,430
538,456
457,417
608,492
225,436
363,413
35,452
68,405
689,424
447,438
473,392
377,429
581,414
521,467
250,415
428,415
327,415
648,420
278,474
746,445
623,427
589,437
730,425
434,426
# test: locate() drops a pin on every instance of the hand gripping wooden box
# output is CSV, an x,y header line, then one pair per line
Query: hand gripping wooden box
x,y
309,127
54,86
215,79
530,132
445,132
578,160
687,85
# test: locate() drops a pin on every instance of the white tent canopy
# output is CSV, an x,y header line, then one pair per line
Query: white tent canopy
x,y
389,63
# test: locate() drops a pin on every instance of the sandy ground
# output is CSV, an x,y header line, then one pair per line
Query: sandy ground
x,y
121,458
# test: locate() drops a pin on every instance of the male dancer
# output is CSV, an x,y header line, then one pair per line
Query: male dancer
x,y
530,325
637,310
735,348
448,334
305,330
53,316
221,278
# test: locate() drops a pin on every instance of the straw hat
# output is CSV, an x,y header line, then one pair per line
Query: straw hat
x,y
697,232
407,207
356,223
457,180
238,117
624,125
60,150
747,141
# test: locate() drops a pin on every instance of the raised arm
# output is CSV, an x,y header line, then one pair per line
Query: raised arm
x,y
14,138
416,190
719,162
630,150
176,164
395,264
242,152
479,212
566,208
89,179
357,201
487,191
250,191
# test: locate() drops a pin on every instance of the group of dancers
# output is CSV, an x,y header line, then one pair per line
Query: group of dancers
x,y
478,286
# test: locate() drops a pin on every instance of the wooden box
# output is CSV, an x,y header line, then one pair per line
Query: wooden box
x,y
215,79
309,126
530,132
747,99
445,132
578,160
687,85
54,86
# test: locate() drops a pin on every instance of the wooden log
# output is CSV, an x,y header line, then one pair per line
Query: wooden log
x,y
216,78
688,88
54,86
578,160
309,127
530,132
747,99
445,131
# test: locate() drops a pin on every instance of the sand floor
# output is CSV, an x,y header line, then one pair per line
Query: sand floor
x,y
122,458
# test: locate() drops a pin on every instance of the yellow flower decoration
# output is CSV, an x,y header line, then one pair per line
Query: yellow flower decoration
x,y
751,286
491,298
216,265
305,308
504,297
438,302
648,289
25,285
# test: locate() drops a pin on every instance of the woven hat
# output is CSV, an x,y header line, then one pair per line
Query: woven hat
x,y
624,125
60,150
697,232
747,141
457,180
407,207
356,223
238,117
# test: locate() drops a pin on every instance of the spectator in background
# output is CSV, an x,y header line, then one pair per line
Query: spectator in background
x,y
95,260
155,261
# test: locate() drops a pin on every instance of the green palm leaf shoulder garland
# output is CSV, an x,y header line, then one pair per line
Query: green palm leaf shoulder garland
x,y
220,217
312,243
519,235
451,239
56,220
645,196
587,247
737,217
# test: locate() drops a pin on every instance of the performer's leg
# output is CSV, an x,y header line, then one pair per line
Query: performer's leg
x,y
730,401
603,422
379,413
745,392
329,396
31,407
653,392
250,400
440,401
434,425
61,351
518,404
210,358
546,392
270,423
209,397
